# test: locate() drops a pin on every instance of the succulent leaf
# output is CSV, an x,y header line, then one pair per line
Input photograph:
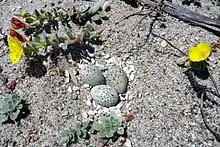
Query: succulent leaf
x,y
3,118
83,134
97,126
14,115
86,124
120,130
110,134
78,125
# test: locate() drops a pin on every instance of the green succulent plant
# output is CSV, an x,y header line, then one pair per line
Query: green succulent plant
x,y
80,130
109,126
10,107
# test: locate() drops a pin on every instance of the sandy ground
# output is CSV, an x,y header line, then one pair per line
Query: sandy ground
x,y
165,106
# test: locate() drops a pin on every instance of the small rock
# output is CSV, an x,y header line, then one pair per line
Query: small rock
x,y
91,75
88,102
84,115
127,143
65,113
91,54
105,95
74,96
163,43
75,88
107,56
86,85
117,79
93,61
3,80
67,76
112,60
85,61
131,76
181,61
92,113
72,74
69,89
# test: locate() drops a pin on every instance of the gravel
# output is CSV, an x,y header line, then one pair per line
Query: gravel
x,y
161,97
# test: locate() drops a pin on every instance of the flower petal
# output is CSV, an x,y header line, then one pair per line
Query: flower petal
x,y
199,53
17,24
16,50
14,33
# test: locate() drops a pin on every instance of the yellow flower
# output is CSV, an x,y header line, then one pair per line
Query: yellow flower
x,y
199,53
16,50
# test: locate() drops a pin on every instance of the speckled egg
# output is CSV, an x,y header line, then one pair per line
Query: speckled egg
x,y
117,79
105,95
91,75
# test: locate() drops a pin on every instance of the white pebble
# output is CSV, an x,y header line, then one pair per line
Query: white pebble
x,y
84,115
127,143
93,61
69,89
92,113
86,85
107,56
131,76
163,43
75,88
88,102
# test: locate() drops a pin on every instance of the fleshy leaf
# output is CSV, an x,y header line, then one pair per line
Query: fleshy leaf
x,y
97,126
78,125
102,134
120,130
29,20
102,14
83,134
95,17
3,118
14,115
20,106
86,123
109,134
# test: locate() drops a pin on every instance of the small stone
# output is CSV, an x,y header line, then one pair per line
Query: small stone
x,y
127,143
93,61
92,113
74,96
91,54
67,76
69,89
72,74
131,76
163,43
107,56
88,102
30,1
112,60
65,113
85,60
3,80
84,115
13,9
181,61
86,85
105,95
75,88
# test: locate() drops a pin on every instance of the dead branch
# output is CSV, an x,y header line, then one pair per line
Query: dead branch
x,y
186,15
